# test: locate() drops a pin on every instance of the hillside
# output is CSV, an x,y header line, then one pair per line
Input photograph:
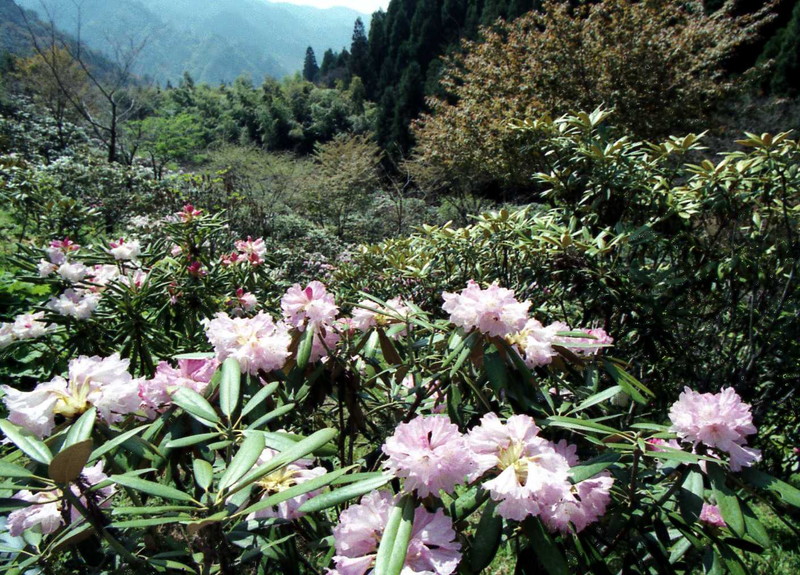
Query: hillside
x,y
213,41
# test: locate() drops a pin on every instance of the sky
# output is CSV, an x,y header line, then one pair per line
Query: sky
x,y
364,6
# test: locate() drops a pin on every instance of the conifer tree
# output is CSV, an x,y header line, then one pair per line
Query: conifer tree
x,y
310,68
359,64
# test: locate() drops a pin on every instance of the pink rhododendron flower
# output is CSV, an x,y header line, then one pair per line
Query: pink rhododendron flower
x,y
257,342
535,341
30,325
195,374
125,250
493,311
311,306
188,213
46,511
6,335
432,549
710,514
295,473
369,314
59,250
254,251
32,410
533,476
75,303
430,453
720,421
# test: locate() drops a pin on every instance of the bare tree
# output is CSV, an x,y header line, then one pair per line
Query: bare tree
x,y
108,104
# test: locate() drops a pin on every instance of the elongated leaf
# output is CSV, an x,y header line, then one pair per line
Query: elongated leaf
x,y
243,461
690,496
331,498
754,527
547,551
28,444
150,487
487,539
394,542
578,424
229,386
600,397
353,477
81,429
12,470
260,397
304,349
191,440
68,464
789,494
150,521
203,473
274,414
496,371
195,405
726,499
10,504
113,443
150,509
592,467
294,491
630,384
196,355
299,450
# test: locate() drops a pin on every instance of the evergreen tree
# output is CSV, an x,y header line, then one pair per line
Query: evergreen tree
x,y
310,68
360,64
784,50
377,53
328,64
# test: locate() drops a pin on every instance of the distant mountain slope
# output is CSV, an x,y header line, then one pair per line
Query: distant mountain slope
x,y
214,41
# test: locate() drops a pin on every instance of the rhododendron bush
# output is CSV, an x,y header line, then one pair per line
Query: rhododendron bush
x,y
188,414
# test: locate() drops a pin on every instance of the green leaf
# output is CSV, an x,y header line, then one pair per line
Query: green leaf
x,y
203,473
150,521
260,397
12,470
294,491
598,398
150,487
195,405
331,498
578,424
546,549
150,509
690,496
789,494
299,450
304,349
68,464
592,467
727,500
487,539
191,440
394,542
496,371
113,443
274,414
196,355
244,460
754,527
28,443
81,429
229,386
627,382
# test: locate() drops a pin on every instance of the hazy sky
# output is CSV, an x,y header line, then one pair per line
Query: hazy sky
x,y
365,6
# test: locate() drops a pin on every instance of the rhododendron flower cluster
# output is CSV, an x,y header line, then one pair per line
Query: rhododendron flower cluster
x,y
188,213
77,303
432,549
46,510
125,250
248,251
192,373
295,473
533,476
430,453
24,326
313,308
493,311
720,421
535,341
243,302
258,343
92,381
58,253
